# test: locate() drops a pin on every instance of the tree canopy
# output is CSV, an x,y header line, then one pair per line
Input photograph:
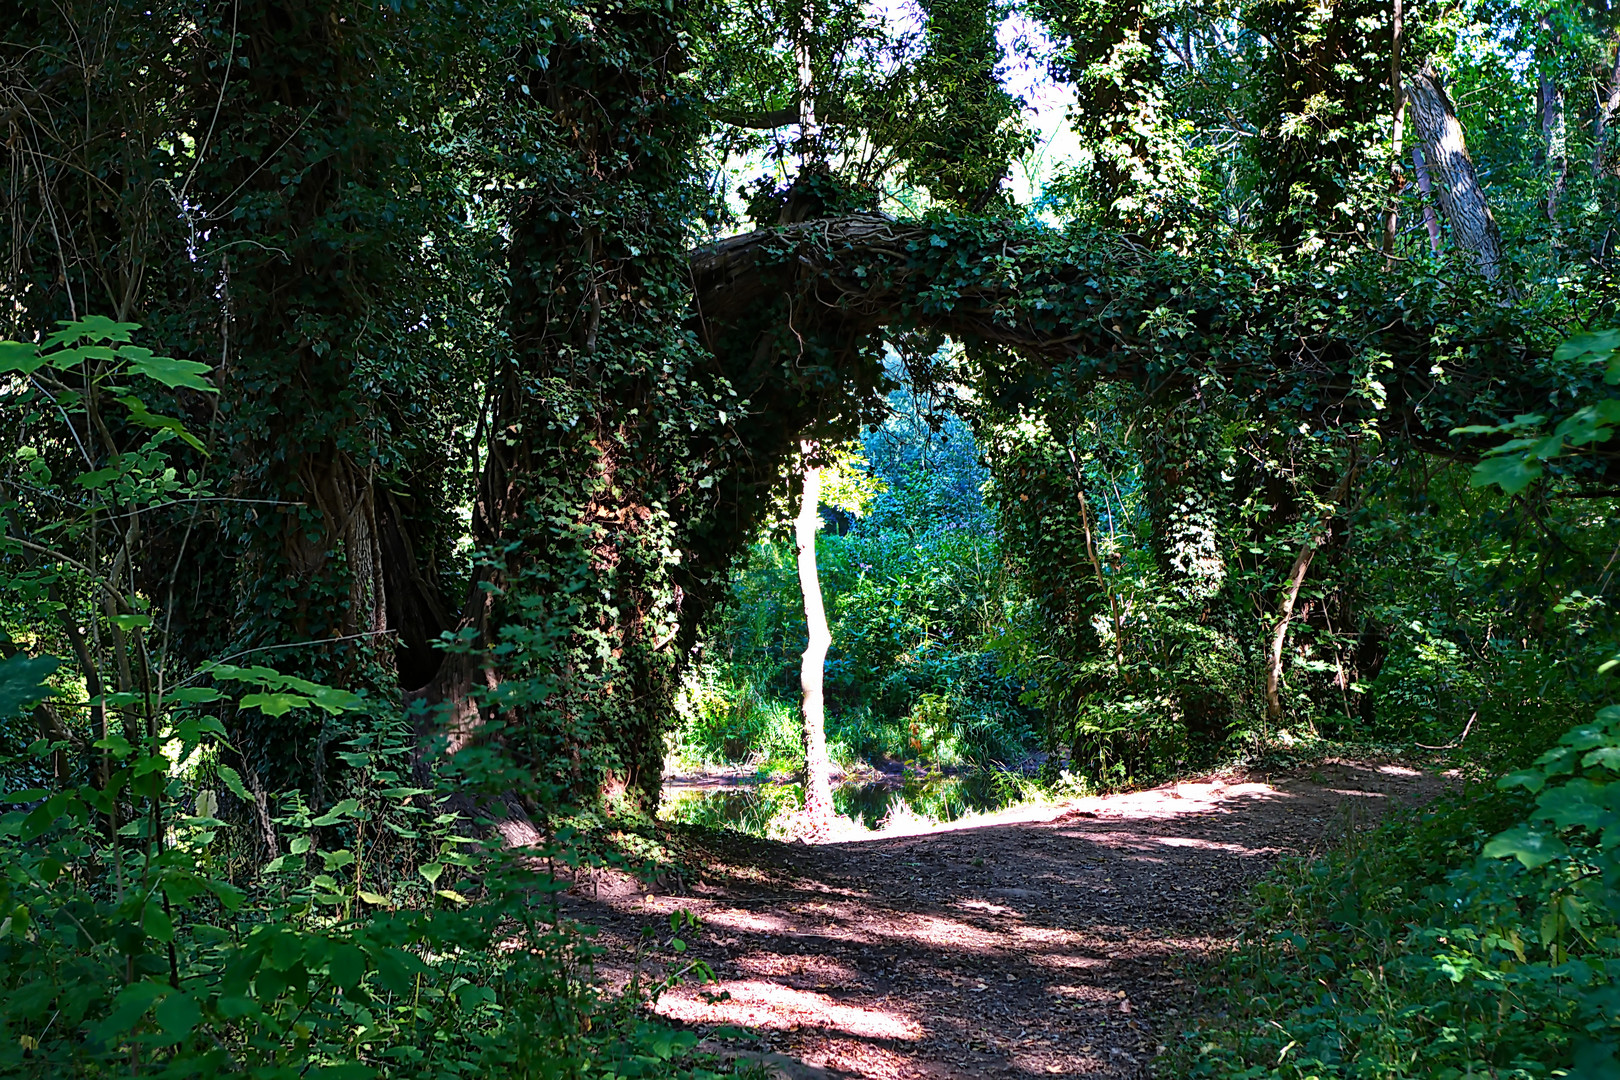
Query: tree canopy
x,y
400,397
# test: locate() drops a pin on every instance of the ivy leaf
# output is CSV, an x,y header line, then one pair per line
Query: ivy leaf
x,y
1529,845
22,681
169,371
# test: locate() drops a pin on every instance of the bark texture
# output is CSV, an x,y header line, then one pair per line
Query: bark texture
x,y
1397,182
1430,220
1279,631
1550,108
1457,186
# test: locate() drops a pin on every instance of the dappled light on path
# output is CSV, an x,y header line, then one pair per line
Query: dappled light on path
x,y
1038,941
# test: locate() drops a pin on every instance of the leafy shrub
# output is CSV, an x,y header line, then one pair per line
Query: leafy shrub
x,y
1430,948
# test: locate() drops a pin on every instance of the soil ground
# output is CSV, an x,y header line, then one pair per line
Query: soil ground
x,y
1038,941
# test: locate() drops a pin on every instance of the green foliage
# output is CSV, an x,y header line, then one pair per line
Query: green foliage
x,y
387,939
916,595
1431,948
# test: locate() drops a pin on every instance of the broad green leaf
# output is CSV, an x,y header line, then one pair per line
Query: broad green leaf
x,y
1511,474
116,745
346,808
347,966
1530,846
194,695
233,781
1521,422
22,681
64,359
1576,802
1607,757
1529,779
432,871
176,1015
156,922
1593,348
128,1008
169,371
92,328
20,357
100,478
274,704
139,416
286,950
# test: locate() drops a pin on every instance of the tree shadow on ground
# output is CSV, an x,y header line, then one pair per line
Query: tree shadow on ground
x,y
1034,942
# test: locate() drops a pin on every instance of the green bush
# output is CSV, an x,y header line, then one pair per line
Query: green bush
x,y
1430,948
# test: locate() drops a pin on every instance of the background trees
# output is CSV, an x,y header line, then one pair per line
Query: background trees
x,y
514,317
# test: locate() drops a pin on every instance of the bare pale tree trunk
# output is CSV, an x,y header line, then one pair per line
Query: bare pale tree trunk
x,y
1456,184
1430,220
1392,216
1279,632
818,804
1296,577
1550,107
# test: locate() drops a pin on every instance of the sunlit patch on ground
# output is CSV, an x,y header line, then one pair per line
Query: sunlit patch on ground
x,y
757,1003
823,969
1041,941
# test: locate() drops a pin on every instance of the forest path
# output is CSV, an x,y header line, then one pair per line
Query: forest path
x,y
1040,941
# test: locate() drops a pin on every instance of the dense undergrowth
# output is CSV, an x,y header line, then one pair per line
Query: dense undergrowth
x,y
1477,936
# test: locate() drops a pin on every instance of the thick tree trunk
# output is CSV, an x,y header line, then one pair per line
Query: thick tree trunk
x,y
818,805
1458,190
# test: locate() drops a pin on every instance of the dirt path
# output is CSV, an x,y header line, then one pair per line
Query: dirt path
x,y
1034,942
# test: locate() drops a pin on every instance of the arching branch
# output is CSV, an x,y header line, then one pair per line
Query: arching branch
x,y
1075,307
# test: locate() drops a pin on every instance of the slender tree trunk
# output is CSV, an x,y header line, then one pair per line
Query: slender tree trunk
x,y
1392,216
1457,186
1279,632
818,803
1608,105
1430,220
1296,577
1550,107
